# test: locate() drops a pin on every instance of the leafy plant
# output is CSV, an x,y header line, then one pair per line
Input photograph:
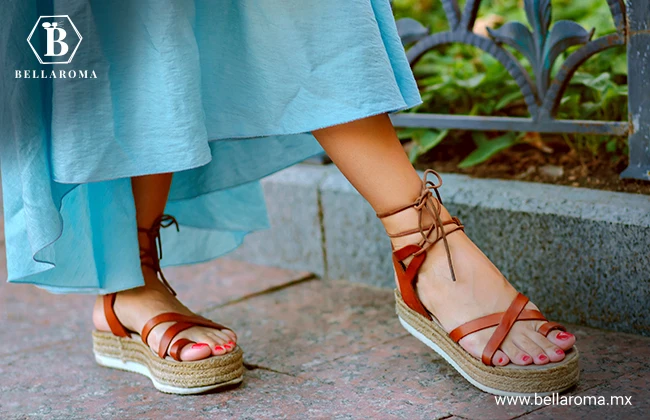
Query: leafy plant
x,y
486,148
459,79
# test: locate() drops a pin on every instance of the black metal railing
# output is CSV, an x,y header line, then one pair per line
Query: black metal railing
x,y
542,92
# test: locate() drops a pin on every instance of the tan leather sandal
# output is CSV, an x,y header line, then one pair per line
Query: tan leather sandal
x,y
500,380
126,350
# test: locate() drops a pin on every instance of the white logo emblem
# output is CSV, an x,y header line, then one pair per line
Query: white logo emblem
x,y
61,39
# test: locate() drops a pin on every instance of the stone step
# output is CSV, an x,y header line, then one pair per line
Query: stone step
x,y
582,255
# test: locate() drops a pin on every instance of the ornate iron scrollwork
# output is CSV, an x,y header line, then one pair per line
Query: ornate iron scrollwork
x,y
541,46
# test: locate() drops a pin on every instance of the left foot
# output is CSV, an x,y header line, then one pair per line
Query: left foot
x,y
480,289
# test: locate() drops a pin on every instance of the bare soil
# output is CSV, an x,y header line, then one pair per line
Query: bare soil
x,y
557,164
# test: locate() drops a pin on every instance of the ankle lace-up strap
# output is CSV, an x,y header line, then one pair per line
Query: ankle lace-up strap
x,y
151,256
432,234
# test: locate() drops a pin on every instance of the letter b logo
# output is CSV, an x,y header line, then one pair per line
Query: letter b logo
x,y
53,31
61,39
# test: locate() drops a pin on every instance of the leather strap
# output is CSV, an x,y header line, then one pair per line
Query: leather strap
x,y
185,323
181,323
507,321
176,317
175,350
111,319
407,274
151,256
547,327
169,335
407,281
491,321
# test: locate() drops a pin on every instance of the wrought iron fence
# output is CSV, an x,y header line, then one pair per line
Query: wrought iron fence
x,y
542,93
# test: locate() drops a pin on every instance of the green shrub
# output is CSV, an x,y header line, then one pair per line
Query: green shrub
x,y
460,79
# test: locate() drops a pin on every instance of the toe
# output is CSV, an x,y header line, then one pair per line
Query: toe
x,y
230,346
500,359
524,343
196,351
515,354
554,353
219,350
224,343
563,340
231,335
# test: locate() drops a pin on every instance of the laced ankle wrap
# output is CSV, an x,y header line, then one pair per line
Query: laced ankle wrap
x,y
425,202
151,256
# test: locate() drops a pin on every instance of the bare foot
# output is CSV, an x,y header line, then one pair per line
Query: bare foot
x,y
480,289
137,306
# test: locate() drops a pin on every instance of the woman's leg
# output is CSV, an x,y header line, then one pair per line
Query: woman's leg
x,y
136,306
369,154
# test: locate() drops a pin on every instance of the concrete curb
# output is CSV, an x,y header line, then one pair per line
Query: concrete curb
x,y
582,255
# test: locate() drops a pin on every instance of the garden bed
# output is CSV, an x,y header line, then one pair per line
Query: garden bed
x,y
460,79
561,166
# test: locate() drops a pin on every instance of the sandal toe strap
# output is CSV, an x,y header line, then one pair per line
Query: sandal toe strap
x,y
492,320
507,321
176,317
169,335
504,322
547,327
175,350
181,323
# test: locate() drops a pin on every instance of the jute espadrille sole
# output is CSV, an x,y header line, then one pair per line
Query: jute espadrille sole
x,y
499,380
168,375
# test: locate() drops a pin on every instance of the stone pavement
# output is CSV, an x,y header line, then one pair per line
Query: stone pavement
x,y
313,349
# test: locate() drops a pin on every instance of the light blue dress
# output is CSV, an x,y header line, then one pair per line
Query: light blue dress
x,y
220,92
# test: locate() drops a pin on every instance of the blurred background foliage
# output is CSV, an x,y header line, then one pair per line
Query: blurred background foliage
x,y
460,79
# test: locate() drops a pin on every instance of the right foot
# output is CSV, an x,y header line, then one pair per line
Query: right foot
x,y
135,307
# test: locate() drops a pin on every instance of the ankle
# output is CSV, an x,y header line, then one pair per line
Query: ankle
x,y
408,220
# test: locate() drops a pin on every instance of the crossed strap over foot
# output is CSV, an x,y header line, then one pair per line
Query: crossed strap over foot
x,y
504,322
407,274
181,323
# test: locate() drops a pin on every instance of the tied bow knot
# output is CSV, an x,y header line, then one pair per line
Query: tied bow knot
x,y
154,252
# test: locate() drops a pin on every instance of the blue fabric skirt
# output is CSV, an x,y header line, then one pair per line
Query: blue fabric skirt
x,y
220,92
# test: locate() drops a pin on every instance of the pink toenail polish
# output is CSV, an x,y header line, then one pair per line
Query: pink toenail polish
x,y
231,343
542,357
218,348
228,346
525,358
500,360
559,352
199,345
564,335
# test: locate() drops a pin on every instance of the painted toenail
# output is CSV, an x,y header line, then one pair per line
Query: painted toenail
x,y
500,360
218,348
525,358
559,352
564,335
228,346
232,343
199,345
541,357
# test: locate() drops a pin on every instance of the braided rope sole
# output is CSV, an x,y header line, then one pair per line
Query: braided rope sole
x,y
167,374
502,380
